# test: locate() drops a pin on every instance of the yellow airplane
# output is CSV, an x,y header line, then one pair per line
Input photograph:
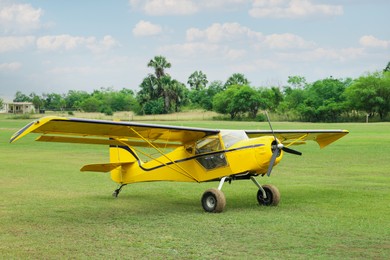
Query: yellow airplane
x,y
194,154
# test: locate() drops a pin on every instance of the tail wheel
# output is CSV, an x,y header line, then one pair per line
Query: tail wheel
x,y
213,200
273,196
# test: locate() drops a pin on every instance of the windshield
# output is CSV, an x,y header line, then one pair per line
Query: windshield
x,y
231,137
208,144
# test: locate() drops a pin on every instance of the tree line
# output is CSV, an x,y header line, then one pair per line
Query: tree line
x,y
324,100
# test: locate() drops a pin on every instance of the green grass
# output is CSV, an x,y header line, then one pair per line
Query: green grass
x,y
335,204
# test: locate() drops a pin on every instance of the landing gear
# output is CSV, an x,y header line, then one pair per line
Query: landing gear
x,y
267,195
117,191
213,200
272,197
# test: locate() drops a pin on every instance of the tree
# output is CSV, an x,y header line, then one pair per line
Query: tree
x,y
1,103
154,107
159,63
237,100
297,81
270,98
223,102
371,93
180,95
74,98
324,100
387,69
37,101
167,92
20,97
161,85
248,100
197,80
237,79
214,88
204,97
126,100
91,104
54,101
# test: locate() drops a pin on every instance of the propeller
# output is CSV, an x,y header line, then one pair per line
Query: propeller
x,y
277,148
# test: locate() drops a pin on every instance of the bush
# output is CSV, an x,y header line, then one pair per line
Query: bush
x,y
154,107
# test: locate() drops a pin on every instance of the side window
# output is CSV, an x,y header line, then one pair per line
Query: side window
x,y
213,156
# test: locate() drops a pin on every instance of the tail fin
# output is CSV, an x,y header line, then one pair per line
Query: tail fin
x,y
120,154
124,157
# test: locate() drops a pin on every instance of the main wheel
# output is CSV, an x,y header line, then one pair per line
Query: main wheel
x,y
213,200
273,196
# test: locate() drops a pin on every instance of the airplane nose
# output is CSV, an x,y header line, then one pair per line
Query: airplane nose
x,y
276,147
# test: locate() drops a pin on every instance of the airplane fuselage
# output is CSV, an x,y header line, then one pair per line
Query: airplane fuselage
x,y
212,158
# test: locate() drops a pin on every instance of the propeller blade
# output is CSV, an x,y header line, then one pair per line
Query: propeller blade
x,y
270,126
289,150
272,162
278,147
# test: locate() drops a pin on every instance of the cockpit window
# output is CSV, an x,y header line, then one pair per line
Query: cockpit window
x,y
214,156
231,137
208,144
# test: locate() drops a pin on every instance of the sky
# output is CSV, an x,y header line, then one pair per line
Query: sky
x,y
57,46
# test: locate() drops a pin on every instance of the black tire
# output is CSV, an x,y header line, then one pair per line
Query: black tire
x,y
273,196
213,200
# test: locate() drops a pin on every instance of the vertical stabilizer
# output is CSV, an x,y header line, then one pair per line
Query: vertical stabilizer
x,y
123,155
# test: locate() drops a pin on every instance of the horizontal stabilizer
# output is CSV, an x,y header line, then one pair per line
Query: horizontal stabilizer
x,y
103,167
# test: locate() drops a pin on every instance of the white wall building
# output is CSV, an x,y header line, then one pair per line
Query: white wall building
x,y
17,107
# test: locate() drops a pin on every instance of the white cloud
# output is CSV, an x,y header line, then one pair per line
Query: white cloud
x,y
165,7
256,65
191,49
12,43
292,9
235,54
233,41
19,18
73,70
287,41
323,54
62,42
108,42
68,42
145,28
373,42
222,4
185,7
12,66
223,32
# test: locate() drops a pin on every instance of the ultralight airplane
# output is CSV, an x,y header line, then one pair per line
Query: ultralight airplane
x,y
196,154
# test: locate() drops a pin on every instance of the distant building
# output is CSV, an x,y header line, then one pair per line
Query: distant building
x,y
17,107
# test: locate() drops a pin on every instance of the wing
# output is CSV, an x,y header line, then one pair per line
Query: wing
x,y
73,130
295,137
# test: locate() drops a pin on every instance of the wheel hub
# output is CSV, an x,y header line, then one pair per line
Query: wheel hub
x,y
210,202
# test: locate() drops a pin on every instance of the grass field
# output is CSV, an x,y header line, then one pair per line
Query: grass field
x,y
335,204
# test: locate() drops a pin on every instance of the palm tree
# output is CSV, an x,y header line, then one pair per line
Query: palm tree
x,y
197,80
387,69
237,79
159,63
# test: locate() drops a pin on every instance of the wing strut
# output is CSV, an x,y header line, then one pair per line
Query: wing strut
x,y
186,173
297,140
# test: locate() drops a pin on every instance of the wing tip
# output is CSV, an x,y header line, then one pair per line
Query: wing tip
x,y
33,125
